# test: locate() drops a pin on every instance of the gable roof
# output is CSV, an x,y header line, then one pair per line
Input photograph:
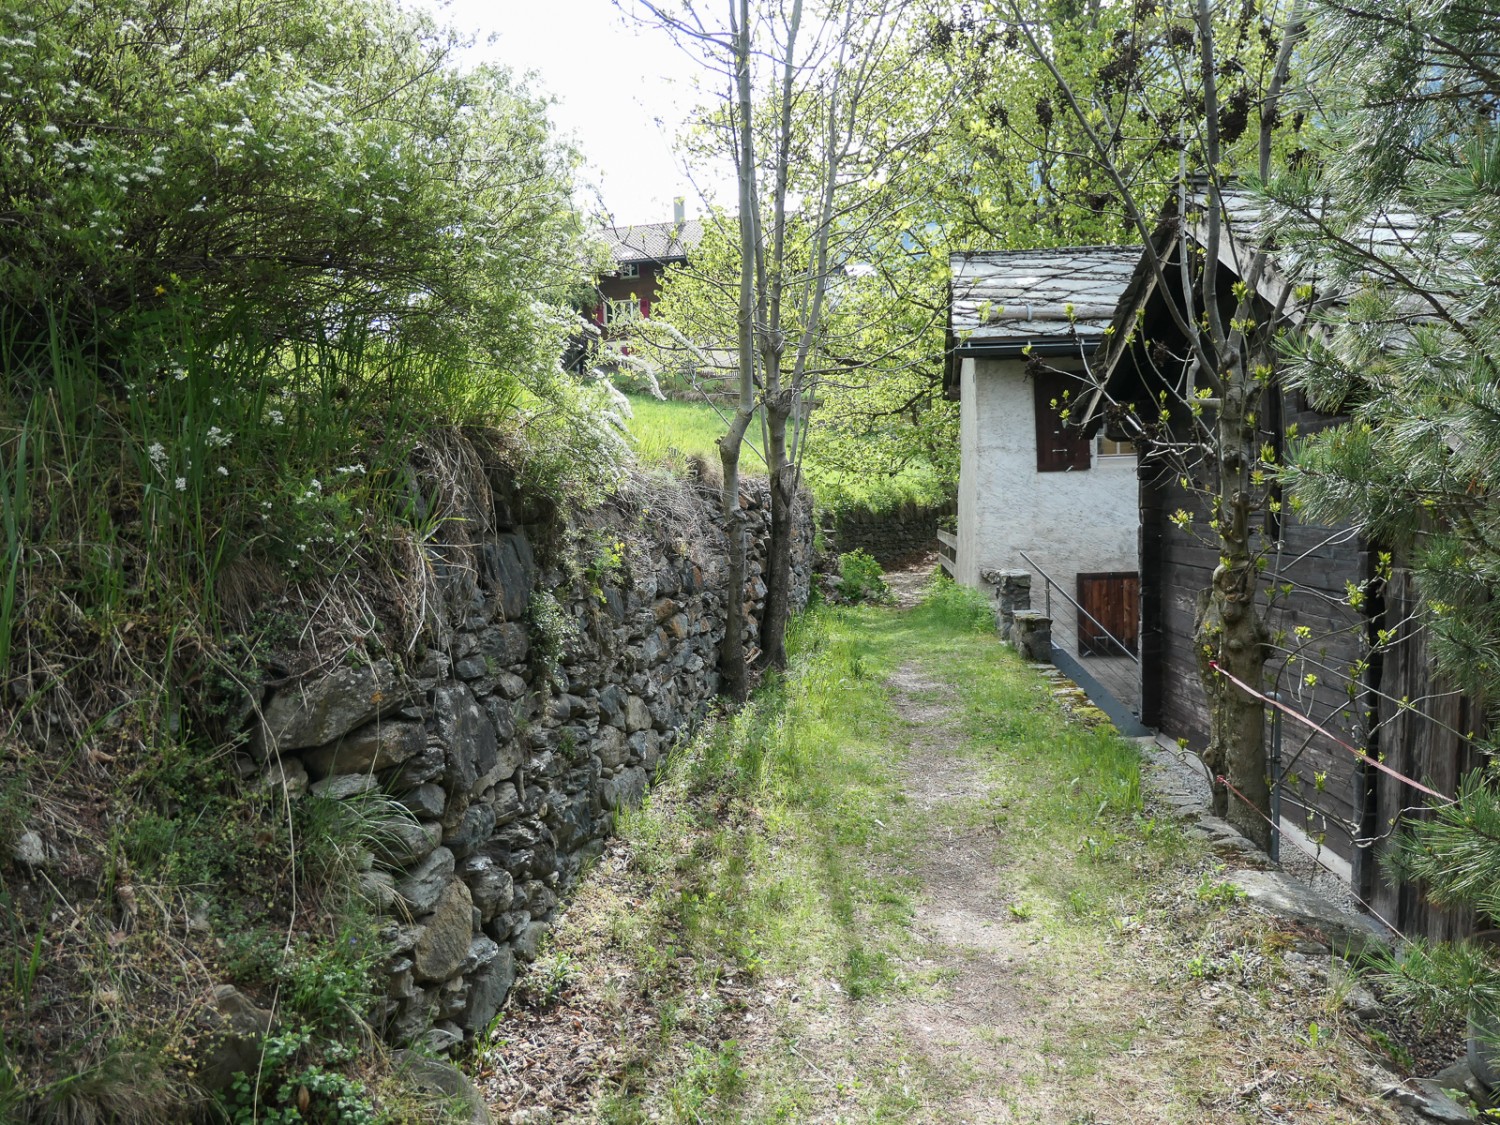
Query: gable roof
x,y
1052,302
1389,237
654,242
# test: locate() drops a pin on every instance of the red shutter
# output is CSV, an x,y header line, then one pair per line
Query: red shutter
x,y
1059,447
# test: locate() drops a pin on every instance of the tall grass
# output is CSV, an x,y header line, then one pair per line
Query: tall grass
x,y
142,479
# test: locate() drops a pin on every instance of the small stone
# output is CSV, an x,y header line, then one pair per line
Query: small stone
x,y
238,1026
509,685
488,987
637,715
29,850
379,889
284,774
440,1039
528,940
482,951
342,786
441,1081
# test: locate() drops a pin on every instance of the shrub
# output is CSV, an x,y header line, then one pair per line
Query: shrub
x,y
860,577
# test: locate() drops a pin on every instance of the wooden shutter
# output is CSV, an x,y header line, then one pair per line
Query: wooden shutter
x,y
1058,447
1113,616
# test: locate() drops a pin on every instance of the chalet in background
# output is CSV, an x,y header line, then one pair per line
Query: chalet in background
x,y
641,255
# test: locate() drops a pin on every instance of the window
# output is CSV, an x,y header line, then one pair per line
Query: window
x,y
1059,447
626,310
629,269
1109,447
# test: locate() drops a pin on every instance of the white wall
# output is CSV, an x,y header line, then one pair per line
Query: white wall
x,y
1069,523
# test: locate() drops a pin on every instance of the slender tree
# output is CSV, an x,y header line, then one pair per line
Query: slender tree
x,y
812,122
1187,55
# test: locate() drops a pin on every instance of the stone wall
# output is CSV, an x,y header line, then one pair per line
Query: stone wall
x,y
887,535
570,655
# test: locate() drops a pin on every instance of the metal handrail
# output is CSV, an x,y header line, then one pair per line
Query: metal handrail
x,y
1050,583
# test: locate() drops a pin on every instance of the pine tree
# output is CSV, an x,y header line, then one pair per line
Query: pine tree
x,y
1399,209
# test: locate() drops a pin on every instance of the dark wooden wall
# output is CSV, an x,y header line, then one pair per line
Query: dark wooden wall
x,y
1325,795
1426,739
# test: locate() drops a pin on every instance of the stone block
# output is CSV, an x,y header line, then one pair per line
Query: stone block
x,y
374,746
445,938
1349,935
342,786
488,987
637,714
626,789
508,568
426,801
1031,636
473,829
491,887
326,709
424,884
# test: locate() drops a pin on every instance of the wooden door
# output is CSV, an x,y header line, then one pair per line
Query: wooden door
x,y
1109,613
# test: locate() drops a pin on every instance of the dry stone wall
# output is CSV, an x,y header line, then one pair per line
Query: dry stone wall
x,y
887,535
571,655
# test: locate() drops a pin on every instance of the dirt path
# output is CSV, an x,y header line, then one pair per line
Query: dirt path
x,y
1028,1024
976,1048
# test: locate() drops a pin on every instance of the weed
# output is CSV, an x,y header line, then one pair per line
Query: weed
x,y
293,1087
860,578
1217,892
547,979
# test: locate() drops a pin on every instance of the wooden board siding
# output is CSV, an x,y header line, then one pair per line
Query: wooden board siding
x,y
1425,741
1325,793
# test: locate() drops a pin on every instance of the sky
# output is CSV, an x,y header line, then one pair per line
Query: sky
x,y
622,91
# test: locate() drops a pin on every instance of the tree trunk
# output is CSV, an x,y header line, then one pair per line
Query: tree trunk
x,y
732,666
1230,633
774,614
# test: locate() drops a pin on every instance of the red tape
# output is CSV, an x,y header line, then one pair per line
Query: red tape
x,y
1305,721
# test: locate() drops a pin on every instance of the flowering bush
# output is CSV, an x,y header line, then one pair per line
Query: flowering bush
x,y
292,167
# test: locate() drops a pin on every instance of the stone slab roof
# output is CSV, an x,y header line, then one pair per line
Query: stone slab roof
x,y
654,242
1009,299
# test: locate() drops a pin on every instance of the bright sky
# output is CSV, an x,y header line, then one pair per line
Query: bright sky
x,y
622,91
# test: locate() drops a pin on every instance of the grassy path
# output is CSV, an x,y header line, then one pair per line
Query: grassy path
x,y
903,886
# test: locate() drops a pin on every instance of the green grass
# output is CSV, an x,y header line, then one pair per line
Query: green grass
x,y
670,432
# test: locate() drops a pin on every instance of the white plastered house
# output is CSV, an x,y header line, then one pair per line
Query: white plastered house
x,y
1034,493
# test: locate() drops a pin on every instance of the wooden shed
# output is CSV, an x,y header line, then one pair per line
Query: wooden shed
x,y
1327,593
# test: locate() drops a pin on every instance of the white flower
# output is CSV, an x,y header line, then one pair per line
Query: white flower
x,y
158,455
182,484
222,471
276,416
217,437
